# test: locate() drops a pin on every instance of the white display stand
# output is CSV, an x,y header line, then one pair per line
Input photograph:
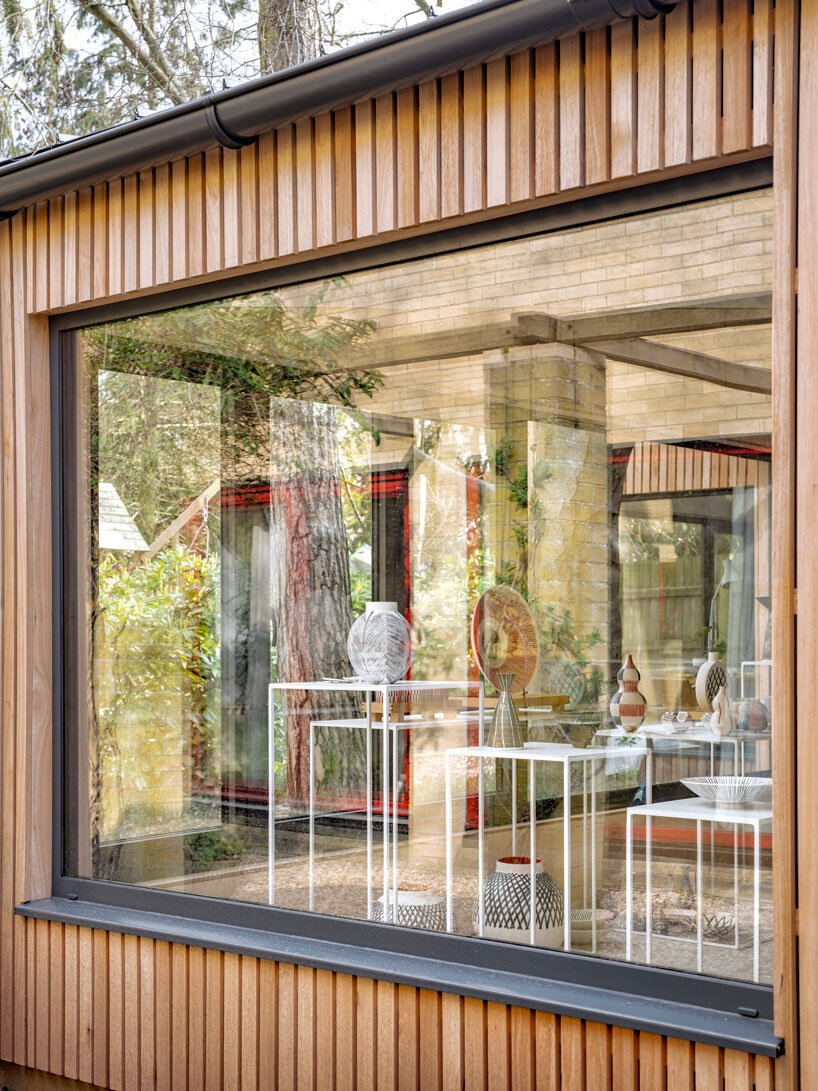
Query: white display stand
x,y
698,811
386,694
698,736
751,663
567,756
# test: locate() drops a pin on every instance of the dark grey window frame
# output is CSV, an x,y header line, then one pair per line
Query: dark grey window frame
x,y
700,1008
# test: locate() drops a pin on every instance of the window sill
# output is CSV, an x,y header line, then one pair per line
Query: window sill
x,y
678,1020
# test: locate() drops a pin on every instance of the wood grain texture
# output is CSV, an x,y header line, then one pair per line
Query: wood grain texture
x,y
524,131
787,828
651,94
594,107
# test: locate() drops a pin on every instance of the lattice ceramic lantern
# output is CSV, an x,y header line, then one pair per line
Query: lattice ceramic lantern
x,y
379,644
418,907
507,902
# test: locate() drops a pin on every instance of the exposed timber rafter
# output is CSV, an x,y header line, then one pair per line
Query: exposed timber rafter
x,y
615,334
691,365
719,313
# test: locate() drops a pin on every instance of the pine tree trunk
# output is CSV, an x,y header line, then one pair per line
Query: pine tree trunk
x,y
289,32
311,600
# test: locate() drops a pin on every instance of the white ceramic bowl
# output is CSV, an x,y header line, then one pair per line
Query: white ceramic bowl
x,y
731,791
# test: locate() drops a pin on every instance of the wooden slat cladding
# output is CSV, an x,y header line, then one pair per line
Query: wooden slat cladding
x,y
157,1015
591,110
595,110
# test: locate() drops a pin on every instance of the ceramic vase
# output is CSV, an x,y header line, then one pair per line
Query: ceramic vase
x,y
418,907
752,716
711,675
723,722
379,644
628,706
507,902
505,727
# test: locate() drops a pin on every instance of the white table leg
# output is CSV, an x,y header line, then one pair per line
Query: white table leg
x,y
593,860
532,852
394,809
628,882
481,701
699,891
312,815
649,775
735,885
756,897
585,835
648,885
566,850
514,806
369,806
387,911
449,847
481,830
271,810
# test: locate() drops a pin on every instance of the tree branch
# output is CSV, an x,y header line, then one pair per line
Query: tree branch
x,y
150,38
110,22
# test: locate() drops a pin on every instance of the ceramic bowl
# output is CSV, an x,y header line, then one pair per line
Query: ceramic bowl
x,y
731,791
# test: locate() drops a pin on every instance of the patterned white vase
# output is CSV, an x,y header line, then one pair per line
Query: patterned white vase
x,y
379,644
418,907
711,675
507,901
723,722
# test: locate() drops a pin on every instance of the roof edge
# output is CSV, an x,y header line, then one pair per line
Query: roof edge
x,y
237,115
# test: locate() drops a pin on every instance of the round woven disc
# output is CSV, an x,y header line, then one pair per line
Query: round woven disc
x,y
504,637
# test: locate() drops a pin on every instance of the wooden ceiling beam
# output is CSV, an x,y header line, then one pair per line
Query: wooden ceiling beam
x,y
691,365
657,320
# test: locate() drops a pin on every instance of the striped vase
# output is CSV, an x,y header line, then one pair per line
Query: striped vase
x,y
628,706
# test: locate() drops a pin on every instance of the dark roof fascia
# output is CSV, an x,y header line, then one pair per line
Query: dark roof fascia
x,y
237,115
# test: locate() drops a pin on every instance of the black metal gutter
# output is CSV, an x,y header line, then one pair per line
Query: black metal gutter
x,y
236,115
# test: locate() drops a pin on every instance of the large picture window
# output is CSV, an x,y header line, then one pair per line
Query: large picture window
x,y
438,595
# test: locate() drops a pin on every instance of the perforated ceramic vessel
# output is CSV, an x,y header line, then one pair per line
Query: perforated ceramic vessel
x,y
379,644
418,907
507,900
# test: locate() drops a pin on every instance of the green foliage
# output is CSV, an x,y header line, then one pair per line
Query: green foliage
x,y
157,651
203,850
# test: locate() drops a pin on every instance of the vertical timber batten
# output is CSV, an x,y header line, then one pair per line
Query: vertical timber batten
x,y
598,111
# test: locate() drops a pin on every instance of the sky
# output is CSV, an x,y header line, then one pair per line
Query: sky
x,y
370,15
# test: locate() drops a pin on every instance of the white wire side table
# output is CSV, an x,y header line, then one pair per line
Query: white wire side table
x,y
698,811
559,753
699,737
388,728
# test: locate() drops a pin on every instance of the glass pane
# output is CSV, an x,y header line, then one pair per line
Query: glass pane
x,y
528,487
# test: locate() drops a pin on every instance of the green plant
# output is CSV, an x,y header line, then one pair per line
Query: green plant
x,y
203,850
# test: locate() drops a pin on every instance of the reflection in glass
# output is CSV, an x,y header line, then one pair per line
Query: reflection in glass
x,y
582,419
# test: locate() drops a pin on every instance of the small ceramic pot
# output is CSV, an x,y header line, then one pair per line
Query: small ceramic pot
x,y
418,907
507,900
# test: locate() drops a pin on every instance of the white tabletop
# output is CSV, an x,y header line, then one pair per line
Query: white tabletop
x,y
696,734
377,725
359,685
545,752
750,813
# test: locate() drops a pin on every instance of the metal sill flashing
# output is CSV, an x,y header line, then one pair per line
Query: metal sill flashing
x,y
678,1020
